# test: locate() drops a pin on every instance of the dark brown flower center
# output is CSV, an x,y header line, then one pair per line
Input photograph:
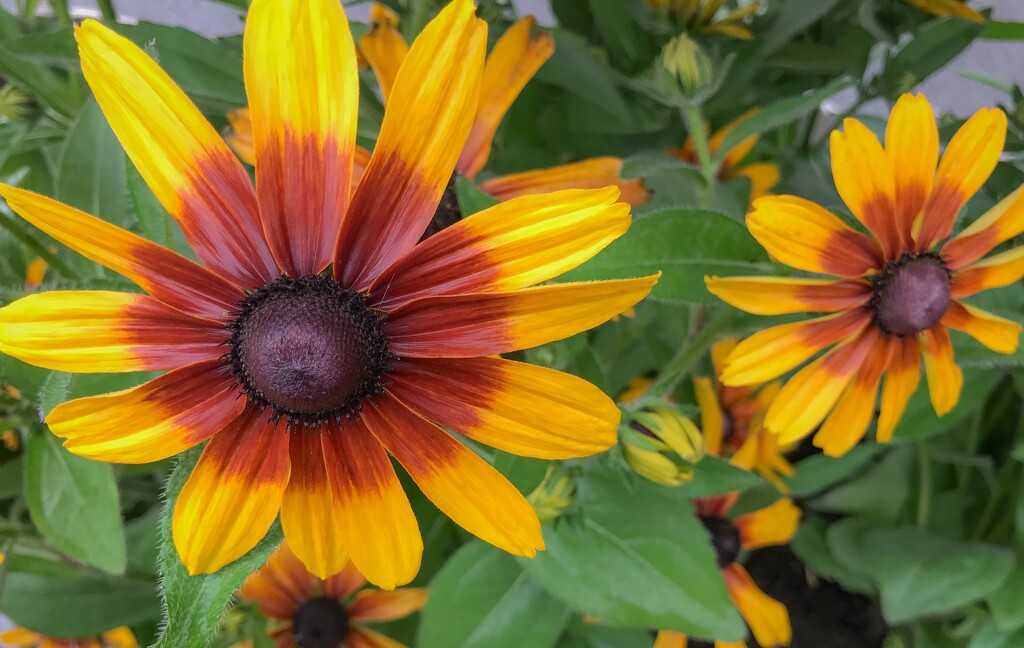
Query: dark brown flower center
x,y
447,213
725,538
320,623
911,294
309,349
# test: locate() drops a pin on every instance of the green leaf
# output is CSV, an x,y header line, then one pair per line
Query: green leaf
x,y
933,46
576,69
717,476
525,473
919,419
74,504
1002,30
471,198
811,547
778,114
881,492
1007,602
193,604
50,89
91,174
920,574
499,605
53,392
793,17
621,32
685,245
817,473
636,555
72,604
150,214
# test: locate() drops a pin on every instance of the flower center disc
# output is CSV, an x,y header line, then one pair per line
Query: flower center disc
x,y
725,537
320,623
911,294
309,349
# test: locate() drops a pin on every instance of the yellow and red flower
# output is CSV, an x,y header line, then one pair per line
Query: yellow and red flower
x,y
898,291
732,421
705,16
117,638
771,526
763,176
943,8
328,611
319,336
516,57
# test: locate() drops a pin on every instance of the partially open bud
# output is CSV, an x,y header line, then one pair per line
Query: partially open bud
x,y
553,496
662,445
688,63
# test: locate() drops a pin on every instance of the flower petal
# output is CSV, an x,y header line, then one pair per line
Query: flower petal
x,y
900,384
516,57
516,407
772,352
383,47
767,527
425,126
361,637
182,158
281,585
995,271
512,245
1001,223
945,380
375,606
768,619
464,486
345,583
809,395
712,419
21,637
849,421
997,333
103,332
309,498
233,495
153,421
807,237
239,137
912,147
303,100
968,161
668,639
373,513
864,178
763,177
593,173
462,326
780,295
166,275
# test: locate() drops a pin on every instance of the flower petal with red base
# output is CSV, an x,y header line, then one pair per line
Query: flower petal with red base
x,y
516,57
166,275
425,126
768,619
772,352
153,421
767,527
281,585
466,326
1000,223
233,494
778,295
593,173
182,158
360,637
519,408
945,379
912,147
103,332
344,583
807,237
376,606
995,271
901,382
464,486
372,511
303,101
997,333
968,161
512,245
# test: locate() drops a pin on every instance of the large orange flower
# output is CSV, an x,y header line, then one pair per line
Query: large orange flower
x,y
898,290
319,337
117,638
330,612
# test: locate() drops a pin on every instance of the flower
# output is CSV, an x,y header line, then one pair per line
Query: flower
x,y
117,638
774,525
661,445
516,57
898,290
732,421
319,336
333,609
956,8
763,176
702,16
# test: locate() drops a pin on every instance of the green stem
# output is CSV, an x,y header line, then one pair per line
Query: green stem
x,y
690,351
107,9
924,473
51,259
60,7
695,124
973,439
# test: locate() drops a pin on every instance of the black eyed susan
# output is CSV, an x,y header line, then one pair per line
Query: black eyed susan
x,y
23,637
516,57
319,337
312,612
732,421
899,288
956,8
708,16
767,619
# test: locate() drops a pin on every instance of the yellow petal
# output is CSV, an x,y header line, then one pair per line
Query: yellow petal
x,y
780,295
912,146
593,173
945,379
997,333
384,49
774,525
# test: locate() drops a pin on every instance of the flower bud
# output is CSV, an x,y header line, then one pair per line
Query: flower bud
x,y
662,445
688,63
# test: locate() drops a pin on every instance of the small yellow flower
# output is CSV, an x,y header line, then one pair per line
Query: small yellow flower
x,y
688,63
661,445
708,17
553,496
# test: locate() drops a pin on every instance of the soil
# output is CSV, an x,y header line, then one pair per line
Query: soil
x,y
822,613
